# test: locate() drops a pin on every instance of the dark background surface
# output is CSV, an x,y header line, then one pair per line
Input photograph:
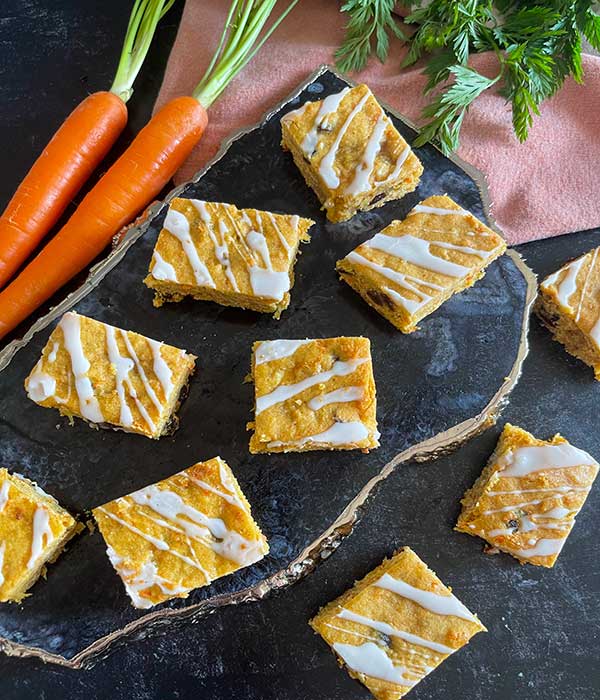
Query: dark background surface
x,y
544,625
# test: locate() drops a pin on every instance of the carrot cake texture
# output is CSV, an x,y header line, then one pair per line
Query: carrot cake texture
x,y
234,257
569,305
180,534
313,395
413,266
350,153
110,377
395,626
33,532
526,499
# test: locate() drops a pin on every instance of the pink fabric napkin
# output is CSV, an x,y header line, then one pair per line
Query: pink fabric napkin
x,y
545,187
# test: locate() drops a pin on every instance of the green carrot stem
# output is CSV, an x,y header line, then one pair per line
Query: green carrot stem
x,y
238,44
143,20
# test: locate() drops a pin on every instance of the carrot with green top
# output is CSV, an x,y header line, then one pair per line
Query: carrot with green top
x,y
137,177
76,149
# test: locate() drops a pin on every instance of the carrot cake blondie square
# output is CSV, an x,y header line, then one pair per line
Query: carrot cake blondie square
x,y
526,499
395,626
181,533
350,153
313,395
569,305
33,532
413,266
235,257
109,376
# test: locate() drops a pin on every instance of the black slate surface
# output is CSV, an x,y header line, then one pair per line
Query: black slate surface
x,y
459,358
546,647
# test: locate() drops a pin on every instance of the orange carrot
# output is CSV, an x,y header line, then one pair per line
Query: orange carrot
x,y
141,172
72,155
125,189
76,149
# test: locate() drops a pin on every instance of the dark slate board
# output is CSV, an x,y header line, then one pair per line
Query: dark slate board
x,y
434,379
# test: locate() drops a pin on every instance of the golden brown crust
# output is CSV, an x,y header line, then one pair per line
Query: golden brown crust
x,y
108,376
234,257
34,529
401,635
528,513
180,533
313,395
371,163
410,268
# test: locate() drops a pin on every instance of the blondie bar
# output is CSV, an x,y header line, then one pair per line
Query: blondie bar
x,y
235,257
350,153
395,626
410,268
526,499
180,533
569,305
33,532
109,376
313,395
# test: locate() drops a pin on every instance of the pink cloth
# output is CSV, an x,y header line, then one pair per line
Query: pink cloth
x,y
545,187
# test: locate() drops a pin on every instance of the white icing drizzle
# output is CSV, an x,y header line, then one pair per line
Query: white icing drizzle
x,y
161,368
588,274
41,531
384,627
221,248
271,350
527,460
397,167
136,582
177,225
568,286
401,279
40,385
266,282
279,232
338,434
362,175
595,333
122,365
2,550
228,543
161,269
326,169
371,660
418,252
559,489
542,548
52,354
155,541
343,395
4,489
434,602
142,374
286,391
424,209
88,403
229,494
328,106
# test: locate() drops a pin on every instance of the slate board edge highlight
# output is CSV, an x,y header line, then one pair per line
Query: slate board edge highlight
x,y
342,526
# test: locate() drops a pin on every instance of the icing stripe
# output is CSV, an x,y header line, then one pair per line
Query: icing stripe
x,y
177,225
88,403
372,661
286,391
271,350
434,602
391,631
338,434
